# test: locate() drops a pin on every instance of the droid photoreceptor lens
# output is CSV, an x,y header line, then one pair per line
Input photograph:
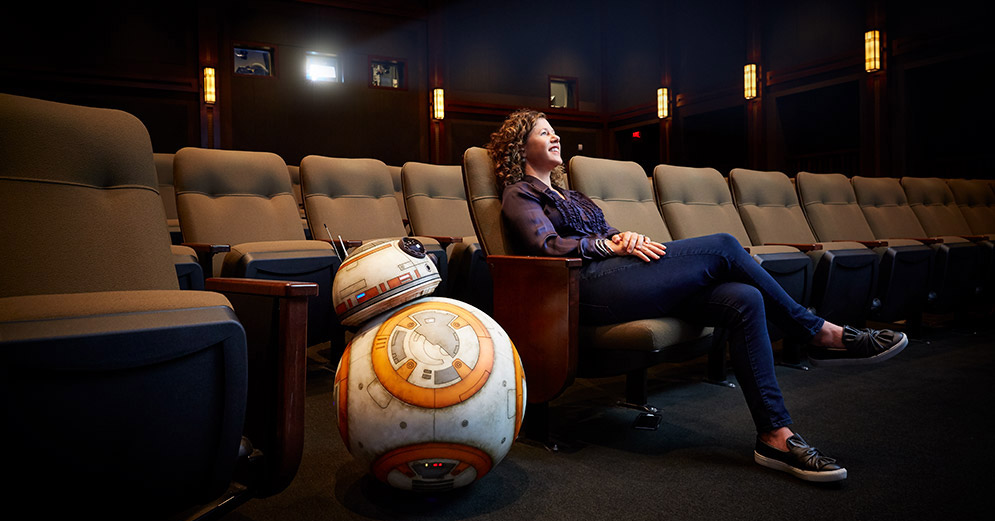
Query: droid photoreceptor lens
x,y
412,247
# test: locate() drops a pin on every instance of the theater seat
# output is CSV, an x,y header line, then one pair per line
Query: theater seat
x,y
697,201
845,272
555,347
933,203
832,211
354,199
124,396
436,206
886,208
395,177
976,201
244,202
295,184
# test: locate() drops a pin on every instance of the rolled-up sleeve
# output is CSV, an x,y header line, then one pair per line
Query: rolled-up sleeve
x,y
523,212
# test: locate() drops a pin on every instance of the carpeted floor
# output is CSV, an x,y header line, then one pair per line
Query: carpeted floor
x,y
914,434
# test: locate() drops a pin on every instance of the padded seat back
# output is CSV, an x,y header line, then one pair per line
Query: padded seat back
x,y
435,200
933,203
769,207
977,203
164,173
831,207
886,208
353,197
696,202
395,177
67,173
622,191
233,197
295,184
484,198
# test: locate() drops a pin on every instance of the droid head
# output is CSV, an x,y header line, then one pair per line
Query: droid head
x,y
380,275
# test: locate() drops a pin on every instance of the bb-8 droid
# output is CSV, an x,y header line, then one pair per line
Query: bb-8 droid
x,y
430,392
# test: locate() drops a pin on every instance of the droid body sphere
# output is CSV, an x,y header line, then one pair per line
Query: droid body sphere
x,y
429,394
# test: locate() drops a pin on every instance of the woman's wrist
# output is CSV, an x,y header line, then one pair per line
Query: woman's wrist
x,y
604,247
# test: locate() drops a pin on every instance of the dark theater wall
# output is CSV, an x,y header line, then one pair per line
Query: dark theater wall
x,y
926,113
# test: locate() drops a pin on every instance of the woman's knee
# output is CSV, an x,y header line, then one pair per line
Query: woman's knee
x,y
747,300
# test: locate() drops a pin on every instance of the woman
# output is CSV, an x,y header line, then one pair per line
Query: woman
x,y
708,280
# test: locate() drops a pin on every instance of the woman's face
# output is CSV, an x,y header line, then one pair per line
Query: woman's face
x,y
542,148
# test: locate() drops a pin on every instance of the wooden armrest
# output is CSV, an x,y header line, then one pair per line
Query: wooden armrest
x,y
975,238
261,287
871,244
205,254
928,240
536,301
444,239
801,247
274,316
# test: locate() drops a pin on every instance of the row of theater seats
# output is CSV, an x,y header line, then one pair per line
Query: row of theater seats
x,y
851,249
149,399
298,222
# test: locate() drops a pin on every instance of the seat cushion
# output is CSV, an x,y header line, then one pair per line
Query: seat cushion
x,y
43,307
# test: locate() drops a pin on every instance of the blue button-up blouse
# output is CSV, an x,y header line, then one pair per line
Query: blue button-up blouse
x,y
549,225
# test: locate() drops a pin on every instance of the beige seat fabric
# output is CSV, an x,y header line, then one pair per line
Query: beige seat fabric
x,y
164,173
977,204
886,207
245,200
236,197
623,192
934,205
696,202
436,207
845,276
395,177
830,205
104,344
354,199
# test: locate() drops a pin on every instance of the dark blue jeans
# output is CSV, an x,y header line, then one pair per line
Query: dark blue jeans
x,y
711,281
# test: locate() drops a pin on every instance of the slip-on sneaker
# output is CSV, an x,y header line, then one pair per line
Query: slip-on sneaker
x,y
801,460
860,346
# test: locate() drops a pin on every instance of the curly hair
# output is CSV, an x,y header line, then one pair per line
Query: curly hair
x,y
507,149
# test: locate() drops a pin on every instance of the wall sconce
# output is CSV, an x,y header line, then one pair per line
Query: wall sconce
x,y
750,81
662,103
438,104
872,51
210,95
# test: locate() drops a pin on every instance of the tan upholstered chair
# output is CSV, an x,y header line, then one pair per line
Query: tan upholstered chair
x,y
436,207
295,184
395,177
845,276
886,208
934,205
164,174
185,260
697,201
905,265
555,347
244,201
354,199
976,201
132,391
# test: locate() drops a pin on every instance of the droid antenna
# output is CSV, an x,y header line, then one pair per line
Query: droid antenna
x,y
332,240
344,253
